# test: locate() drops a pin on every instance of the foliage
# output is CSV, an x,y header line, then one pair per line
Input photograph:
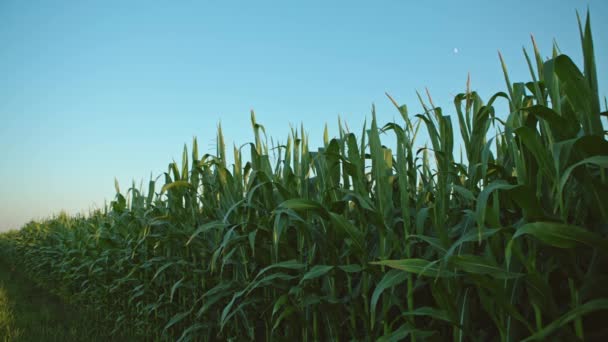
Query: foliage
x,y
358,241
29,313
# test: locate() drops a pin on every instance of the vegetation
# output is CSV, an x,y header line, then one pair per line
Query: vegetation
x,y
29,313
359,241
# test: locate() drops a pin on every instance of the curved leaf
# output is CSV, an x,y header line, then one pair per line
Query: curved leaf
x,y
316,272
176,184
418,266
579,311
562,235
480,265
390,279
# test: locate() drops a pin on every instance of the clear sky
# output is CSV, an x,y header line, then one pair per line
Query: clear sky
x,y
92,90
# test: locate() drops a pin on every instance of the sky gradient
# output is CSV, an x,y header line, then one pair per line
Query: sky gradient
x,y
93,90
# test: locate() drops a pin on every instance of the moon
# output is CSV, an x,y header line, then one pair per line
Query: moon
x,y
455,50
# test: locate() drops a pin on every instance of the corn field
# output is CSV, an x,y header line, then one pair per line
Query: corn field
x,y
506,240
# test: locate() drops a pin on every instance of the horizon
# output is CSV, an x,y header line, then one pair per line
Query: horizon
x,y
94,92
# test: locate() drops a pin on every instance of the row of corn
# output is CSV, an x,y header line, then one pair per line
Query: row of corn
x,y
504,241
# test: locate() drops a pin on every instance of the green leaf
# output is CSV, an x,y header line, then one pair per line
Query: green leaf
x,y
279,303
430,312
480,265
579,94
390,279
464,192
562,235
289,264
471,236
212,296
282,316
432,241
176,319
186,334
305,205
316,271
579,311
347,228
176,184
162,268
533,142
404,331
418,266
482,202
205,227
601,161
175,287
560,127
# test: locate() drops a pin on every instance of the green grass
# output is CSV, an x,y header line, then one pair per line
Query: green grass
x,y
29,313
357,240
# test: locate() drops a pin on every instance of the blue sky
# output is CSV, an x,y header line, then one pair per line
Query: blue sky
x,y
93,90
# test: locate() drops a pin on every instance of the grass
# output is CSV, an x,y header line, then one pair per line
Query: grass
x,y
29,313
357,240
